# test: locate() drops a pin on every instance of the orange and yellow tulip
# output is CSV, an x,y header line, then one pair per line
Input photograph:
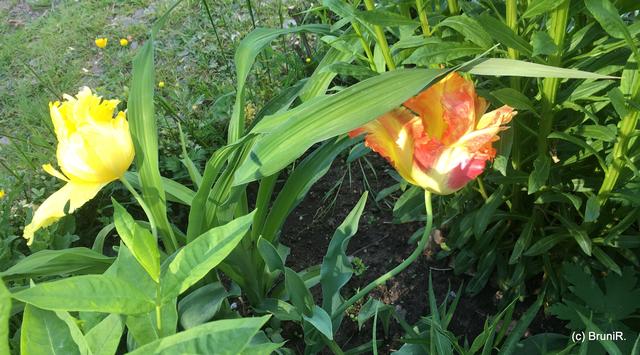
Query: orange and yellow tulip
x,y
440,139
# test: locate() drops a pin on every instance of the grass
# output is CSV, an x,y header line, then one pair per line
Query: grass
x,y
47,48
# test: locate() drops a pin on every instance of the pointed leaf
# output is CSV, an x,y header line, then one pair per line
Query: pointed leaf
x,y
195,260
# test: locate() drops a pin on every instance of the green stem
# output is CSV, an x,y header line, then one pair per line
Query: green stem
x,y
365,45
383,278
454,9
145,208
333,346
627,126
557,31
512,23
381,39
424,22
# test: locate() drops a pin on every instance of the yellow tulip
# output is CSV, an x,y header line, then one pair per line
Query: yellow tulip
x,y
101,42
94,148
440,139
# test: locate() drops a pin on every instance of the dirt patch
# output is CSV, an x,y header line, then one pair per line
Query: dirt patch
x,y
382,245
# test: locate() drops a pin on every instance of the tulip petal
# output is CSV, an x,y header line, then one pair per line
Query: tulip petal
x,y
487,129
53,172
52,209
463,173
391,136
448,108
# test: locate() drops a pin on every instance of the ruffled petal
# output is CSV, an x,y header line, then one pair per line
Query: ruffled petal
x,y
52,209
447,108
391,136
487,129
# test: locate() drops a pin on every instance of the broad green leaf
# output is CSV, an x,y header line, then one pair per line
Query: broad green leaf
x,y
43,333
329,116
176,192
546,243
224,337
298,292
542,43
103,339
139,240
503,34
385,18
127,268
89,293
540,174
513,98
144,327
320,320
280,309
196,259
76,333
201,305
58,262
245,56
270,255
299,182
435,53
469,28
144,132
512,67
336,269
540,7
5,313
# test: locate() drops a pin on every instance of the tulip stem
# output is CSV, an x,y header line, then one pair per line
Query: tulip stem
x,y
147,211
381,39
408,261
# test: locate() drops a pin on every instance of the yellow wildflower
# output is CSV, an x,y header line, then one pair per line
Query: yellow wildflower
x,y
124,42
308,60
2,194
94,148
101,42
161,84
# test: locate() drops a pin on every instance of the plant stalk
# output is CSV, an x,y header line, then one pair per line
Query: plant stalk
x,y
620,148
454,9
422,14
365,45
169,244
381,39
383,278
557,31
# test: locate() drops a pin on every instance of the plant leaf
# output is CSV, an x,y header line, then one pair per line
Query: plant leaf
x,y
139,240
325,117
89,293
43,333
196,259
229,336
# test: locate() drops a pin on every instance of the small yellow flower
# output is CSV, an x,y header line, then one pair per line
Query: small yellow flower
x,y
1,194
94,148
308,60
101,42
161,84
124,42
